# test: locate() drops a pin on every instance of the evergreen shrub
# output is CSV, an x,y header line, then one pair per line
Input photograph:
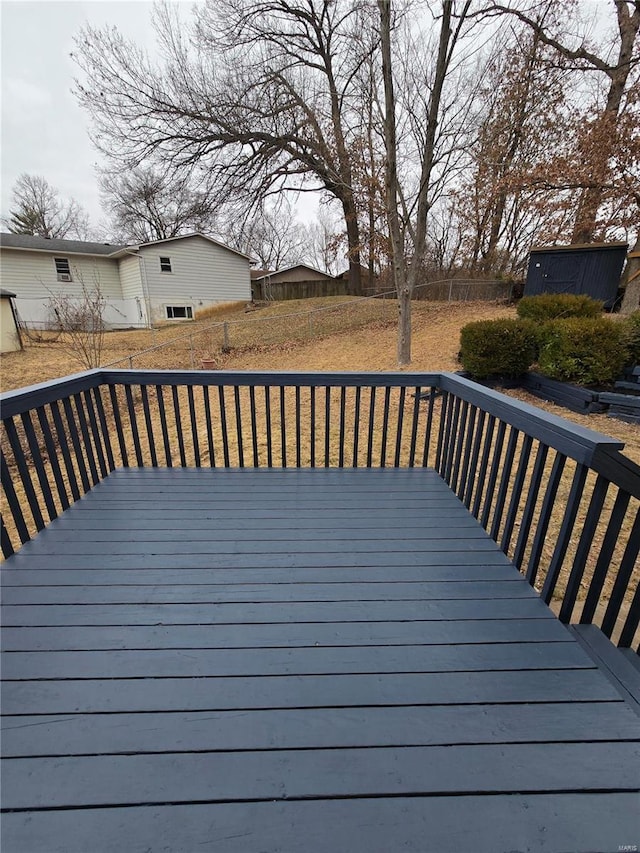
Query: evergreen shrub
x,y
582,350
631,325
556,306
497,347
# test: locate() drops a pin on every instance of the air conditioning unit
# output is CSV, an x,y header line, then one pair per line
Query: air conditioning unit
x,y
64,276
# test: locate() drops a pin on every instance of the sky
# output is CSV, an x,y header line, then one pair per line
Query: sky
x,y
43,130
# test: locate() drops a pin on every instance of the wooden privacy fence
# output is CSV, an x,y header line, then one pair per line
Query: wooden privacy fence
x,y
561,501
284,290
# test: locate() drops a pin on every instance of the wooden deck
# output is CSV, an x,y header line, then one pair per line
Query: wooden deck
x,y
298,660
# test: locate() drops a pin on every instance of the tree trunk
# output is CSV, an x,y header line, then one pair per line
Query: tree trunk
x,y
631,300
400,279
353,245
404,326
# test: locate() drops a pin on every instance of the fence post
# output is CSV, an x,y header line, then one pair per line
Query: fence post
x,y
193,363
225,344
310,326
130,362
450,288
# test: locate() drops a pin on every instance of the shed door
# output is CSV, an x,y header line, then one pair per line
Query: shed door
x,y
561,274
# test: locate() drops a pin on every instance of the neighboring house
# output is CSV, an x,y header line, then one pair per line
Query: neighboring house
x,y
299,272
142,284
297,282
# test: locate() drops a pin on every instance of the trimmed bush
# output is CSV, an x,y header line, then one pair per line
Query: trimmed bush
x,y
497,347
631,325
557,306
582,350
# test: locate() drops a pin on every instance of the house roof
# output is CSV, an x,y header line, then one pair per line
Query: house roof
x,y
256,274
294,267
184,237
68,247
6,294
30,243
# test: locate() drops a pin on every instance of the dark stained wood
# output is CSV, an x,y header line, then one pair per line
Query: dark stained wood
x,y
256,593
491,823
91,734
245,659
530,685
319,773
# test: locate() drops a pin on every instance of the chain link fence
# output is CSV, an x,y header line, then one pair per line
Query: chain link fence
x,y
203,342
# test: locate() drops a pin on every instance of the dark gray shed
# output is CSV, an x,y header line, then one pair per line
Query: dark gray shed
x,y
592,269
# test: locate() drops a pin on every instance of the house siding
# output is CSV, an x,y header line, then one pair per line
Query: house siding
x,y
202,274
30,274
130,278
33,278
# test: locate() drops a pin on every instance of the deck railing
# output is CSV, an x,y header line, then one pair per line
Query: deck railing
x,y
561,501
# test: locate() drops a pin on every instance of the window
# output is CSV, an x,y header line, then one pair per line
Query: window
x,y
179,312
165,264
63,269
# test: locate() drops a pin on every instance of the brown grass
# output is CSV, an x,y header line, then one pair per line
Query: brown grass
x,y
354,336
311,335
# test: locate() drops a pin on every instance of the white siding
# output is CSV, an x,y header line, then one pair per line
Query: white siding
x,y
33,275
201,274
130,279
118,313
33,278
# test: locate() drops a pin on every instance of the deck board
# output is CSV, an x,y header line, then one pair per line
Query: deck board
x,y
297,660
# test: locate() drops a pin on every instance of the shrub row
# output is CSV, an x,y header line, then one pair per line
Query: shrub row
x,y
566,336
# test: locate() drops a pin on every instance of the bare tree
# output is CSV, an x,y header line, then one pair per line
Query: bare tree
x,y
271,234
147,204
270,112
617,62
408,210
80,318
325,243
38,210
522,116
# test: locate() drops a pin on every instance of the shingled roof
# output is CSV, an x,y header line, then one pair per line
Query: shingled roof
x,y
68,247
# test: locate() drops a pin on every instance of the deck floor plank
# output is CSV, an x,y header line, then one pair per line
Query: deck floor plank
x,y
327,659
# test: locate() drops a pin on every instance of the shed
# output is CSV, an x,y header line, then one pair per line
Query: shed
x,y
591,269
9,331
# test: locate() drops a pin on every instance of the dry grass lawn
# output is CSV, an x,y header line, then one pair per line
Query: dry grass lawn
x,y
335,334
341,335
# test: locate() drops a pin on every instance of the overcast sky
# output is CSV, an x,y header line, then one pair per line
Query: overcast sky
x,y
44,131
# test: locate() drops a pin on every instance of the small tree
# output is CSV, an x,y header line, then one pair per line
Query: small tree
x,y
39,210
81,319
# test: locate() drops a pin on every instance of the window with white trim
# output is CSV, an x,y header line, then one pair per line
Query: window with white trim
x,y
63,270
165,264
179,312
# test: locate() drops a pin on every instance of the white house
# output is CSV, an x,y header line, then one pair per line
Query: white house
x,y
142,284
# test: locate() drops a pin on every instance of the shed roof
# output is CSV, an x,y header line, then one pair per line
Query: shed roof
x,y
577,247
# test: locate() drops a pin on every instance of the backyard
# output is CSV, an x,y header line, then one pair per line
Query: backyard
x,y
333,334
